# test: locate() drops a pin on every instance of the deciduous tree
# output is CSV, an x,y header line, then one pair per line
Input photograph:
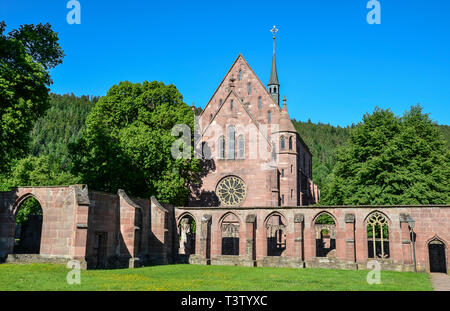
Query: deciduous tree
x,y
392,160
127,142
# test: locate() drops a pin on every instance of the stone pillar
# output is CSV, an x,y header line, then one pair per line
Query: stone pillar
x,y
81,233
261,240
205,238
298,236
309,242
350,252
406,240
250,253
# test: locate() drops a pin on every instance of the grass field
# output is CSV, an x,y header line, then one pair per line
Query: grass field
x,y
192,277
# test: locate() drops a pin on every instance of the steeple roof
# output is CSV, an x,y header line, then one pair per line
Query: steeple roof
x,y
273,73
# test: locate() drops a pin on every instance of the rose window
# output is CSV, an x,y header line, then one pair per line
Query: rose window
x,y
231,191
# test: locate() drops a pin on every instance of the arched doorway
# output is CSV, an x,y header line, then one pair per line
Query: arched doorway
x,y
230,235
27,238
325,232
436,251
186,235
276,235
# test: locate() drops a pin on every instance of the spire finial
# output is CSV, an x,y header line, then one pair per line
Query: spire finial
x,y
274,32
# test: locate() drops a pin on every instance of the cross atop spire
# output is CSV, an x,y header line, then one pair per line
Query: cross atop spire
x,y
274,32
274,85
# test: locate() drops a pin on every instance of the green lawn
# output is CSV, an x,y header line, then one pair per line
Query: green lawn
x,y
192,277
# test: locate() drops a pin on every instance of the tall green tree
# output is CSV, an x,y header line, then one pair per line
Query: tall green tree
x,y
26,55
127,142
392,160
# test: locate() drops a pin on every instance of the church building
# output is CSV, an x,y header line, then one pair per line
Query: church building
x,y
253,205
253,155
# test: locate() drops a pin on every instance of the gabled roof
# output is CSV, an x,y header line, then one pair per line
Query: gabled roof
x,y
223,80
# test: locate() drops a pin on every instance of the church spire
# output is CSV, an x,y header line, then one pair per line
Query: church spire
x,y
274,85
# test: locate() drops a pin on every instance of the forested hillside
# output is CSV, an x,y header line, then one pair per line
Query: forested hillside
x,y
445,129
323,141
64,120
61,125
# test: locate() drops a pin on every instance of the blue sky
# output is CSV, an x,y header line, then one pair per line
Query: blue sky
x,y
332,65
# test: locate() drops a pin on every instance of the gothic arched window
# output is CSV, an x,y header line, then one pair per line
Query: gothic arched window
x,y
231,104
283,143
259,102
290,143
231,142
241,143
377,236
230,235
269,117
221,147
240,75
249,88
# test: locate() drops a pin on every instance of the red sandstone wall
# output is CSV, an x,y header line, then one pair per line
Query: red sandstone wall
x,y
58,207
351,237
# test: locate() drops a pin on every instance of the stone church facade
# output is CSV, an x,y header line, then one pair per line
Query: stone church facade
x,y
251,147
254,206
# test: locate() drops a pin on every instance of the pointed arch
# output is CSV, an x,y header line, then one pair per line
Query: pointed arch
x,y
437,254
275,213
16,206
184,215
379,212
313,221
227,215
27,231
325,234
230,225
377,226
275,226
436,238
